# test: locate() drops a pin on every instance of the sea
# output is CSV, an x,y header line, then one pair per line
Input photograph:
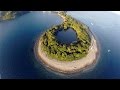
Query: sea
x,y
18,37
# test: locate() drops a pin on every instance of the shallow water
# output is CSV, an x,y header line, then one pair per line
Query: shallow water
x,y
17,38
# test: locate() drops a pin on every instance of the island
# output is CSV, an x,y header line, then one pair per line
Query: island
x,y
67,58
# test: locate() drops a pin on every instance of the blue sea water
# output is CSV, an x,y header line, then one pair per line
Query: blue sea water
x,y
17,38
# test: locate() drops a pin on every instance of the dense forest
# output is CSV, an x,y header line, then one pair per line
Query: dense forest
x,y
65,52
9,15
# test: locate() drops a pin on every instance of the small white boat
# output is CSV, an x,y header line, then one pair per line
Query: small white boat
x,y
109,50
91,23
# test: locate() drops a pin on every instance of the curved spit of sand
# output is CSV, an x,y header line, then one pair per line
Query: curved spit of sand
x,y
68,66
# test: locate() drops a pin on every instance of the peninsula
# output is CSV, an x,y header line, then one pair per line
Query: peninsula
x,y
67,58
10,15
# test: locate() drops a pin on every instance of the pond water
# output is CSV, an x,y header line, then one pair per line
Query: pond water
x,y
66,36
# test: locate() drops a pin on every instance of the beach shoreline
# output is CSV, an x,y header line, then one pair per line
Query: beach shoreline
x,y
68,67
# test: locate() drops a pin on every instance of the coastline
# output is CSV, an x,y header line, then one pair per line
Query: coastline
x,y
13,18
62,17
68,67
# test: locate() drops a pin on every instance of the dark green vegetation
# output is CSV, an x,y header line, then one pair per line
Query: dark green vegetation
x,y
9,15
65,52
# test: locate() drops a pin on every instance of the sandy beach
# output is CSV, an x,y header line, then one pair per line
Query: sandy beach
x,y
68,66
62,17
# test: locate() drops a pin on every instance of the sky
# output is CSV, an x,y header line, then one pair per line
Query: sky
x,y
116,12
